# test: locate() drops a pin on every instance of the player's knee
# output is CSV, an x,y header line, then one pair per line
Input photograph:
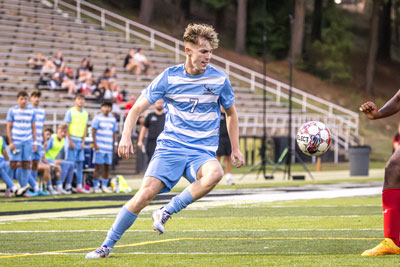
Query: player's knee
x,y
25,165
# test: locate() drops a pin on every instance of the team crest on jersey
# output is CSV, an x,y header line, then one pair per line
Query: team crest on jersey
x,y
208,90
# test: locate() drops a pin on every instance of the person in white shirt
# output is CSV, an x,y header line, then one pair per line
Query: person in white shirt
x,y
142,61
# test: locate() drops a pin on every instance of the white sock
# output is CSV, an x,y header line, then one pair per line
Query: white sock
x,y
228,176
13,189
59,187
78,186
36,188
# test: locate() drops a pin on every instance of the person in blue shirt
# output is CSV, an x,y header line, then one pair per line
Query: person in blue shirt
x,y
40,115
104,133
21,133
192,93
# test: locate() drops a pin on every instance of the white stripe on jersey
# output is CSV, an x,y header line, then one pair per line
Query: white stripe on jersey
x,y
202,80
104,139
105,132
22,124
194,134
20,117
164,136
19,132
201,98
192,116
105,124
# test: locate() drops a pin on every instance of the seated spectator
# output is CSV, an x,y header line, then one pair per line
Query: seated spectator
x,y
142,61
68,82
83,73
87,87
105,86
58,60
90,66
48,67
37,62
130,64
47,70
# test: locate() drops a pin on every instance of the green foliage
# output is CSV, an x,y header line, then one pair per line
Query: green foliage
x,y
328,58
270,18
216,4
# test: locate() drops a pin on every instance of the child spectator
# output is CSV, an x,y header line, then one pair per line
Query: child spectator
x,y
21,133
83,72
76,119
142,61
104,133
87,87
55,147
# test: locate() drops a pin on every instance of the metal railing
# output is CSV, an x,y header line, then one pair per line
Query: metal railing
x,y
254,79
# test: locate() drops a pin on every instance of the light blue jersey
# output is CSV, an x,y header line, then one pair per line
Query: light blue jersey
x,y
192,106
105,128
21,131
40,114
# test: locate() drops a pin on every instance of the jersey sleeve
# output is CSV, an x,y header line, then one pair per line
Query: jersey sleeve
x,y
157,88
10,115
227,97
67,117
34,116
95,123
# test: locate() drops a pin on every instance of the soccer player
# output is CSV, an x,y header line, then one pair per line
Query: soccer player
x,y
40,115
55,145
153,125
104,133
192,93
76,119
21,132
391,185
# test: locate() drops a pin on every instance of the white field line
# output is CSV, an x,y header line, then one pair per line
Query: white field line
x,y
167,253
217,201
199,230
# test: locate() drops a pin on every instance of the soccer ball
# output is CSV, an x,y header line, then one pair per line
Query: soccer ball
x,y
314,138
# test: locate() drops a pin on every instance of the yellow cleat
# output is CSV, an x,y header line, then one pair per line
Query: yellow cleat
x,y
386,247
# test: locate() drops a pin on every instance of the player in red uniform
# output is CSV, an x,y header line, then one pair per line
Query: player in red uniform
x,y
391,186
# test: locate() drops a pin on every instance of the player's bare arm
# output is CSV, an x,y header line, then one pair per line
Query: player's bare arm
x,y
391,107
125,145
96,148
71,143
232,124
83,138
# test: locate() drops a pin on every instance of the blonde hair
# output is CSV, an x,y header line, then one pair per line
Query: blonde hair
x,y
194,31
62,127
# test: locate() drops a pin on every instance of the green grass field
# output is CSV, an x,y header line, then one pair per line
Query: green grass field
x,y
328,232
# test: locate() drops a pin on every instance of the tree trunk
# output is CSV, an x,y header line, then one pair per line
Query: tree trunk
x,y
296,43
373,47
317,21
146,11
385,31
220,19
185,7
241,18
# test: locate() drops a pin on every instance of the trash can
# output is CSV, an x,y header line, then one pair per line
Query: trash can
x,y
359,160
